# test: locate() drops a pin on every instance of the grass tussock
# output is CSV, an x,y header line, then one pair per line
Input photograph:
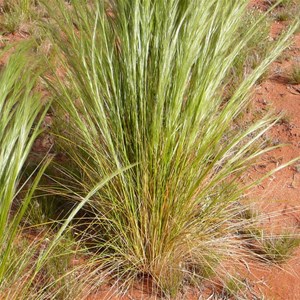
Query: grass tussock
x,y
34,263
21,113
141,86
278,248
146,183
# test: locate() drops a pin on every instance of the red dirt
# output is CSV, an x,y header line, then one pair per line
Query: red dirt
x,y
280,194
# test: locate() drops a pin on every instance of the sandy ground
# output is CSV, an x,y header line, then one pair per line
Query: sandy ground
x,y
280,194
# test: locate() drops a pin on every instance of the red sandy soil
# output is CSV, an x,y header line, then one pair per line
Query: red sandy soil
x,y
280,194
